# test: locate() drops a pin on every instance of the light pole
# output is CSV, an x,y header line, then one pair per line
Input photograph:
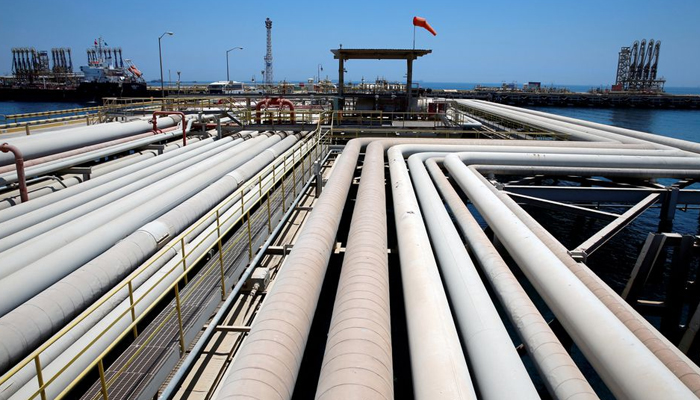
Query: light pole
x,y
160,56
227,51
319,68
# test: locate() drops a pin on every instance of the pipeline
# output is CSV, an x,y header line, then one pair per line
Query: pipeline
x,y
19,164
149,284
359,338
276,101
62,250
63,140
667,352
62,209
609,350
42,188
645,136
556,368
487,342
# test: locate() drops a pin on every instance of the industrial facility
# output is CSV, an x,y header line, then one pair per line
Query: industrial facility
x,y
371,243
202,248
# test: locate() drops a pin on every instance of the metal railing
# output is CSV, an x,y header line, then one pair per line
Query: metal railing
x,y
258,192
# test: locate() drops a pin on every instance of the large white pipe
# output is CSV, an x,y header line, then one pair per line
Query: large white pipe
x,y
317,238
560,374
667,352
553,125
68,139
148,286
358,357
24,209
24,328
50,184
649,137
490,349
612,351
114,187
86,238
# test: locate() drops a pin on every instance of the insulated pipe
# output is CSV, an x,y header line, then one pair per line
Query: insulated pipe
x,y
31,224
358,358
556,368
70,246
81,150
149,285
19,164
66,162
577,132
666,351
76,291
63,140
489,347
309,258
267,364
24,209
195,352
649,137
612,350
39,190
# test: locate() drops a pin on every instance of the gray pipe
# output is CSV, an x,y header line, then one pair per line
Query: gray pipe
x,y
98,193
68,139
649,137
488,345
358,358
558,371
317,236
79,242
612,350
76,291
43,188
666,351
40,203
148,286
550,124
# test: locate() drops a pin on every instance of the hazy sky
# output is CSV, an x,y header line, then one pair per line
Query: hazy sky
x,y
552,41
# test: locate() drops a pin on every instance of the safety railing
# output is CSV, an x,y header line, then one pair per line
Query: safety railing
x,y
268,187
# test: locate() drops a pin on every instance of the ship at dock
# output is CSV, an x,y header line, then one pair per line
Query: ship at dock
x,y
36,76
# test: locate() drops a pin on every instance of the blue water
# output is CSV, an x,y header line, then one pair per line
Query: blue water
x,y
573,88
22,107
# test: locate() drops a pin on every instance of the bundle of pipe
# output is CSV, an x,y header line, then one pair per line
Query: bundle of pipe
x,y
63,249
236,382
645,136
49,183
149,284
33,218
63,140
576,132
58,161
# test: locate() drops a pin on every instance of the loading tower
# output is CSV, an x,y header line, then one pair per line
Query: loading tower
x,y
637,66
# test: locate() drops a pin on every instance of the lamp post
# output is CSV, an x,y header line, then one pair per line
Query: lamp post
x,y
160,56
319,68
227,51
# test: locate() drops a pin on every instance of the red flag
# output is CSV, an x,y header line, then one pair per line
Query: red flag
x,y
95,42
418,21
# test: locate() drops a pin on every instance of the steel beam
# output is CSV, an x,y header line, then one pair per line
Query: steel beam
x,y
593,243
555,205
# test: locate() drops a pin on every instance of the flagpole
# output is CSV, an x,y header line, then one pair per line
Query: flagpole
x,y
414,37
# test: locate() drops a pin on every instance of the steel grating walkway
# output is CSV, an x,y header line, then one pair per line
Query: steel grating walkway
x,y
150,357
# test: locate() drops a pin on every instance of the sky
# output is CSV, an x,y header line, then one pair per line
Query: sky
x,y
561,42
